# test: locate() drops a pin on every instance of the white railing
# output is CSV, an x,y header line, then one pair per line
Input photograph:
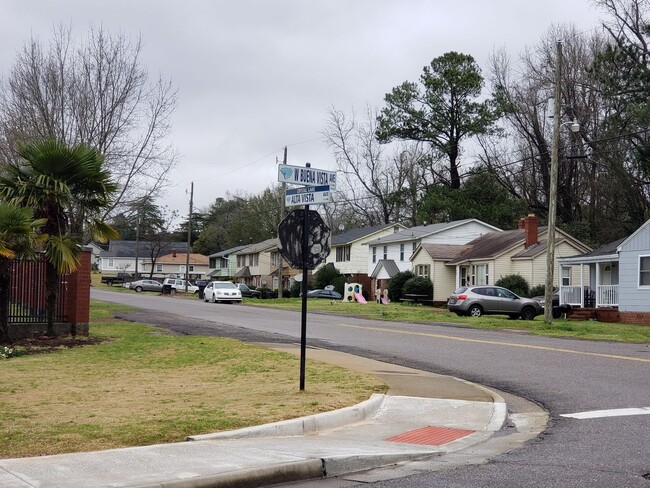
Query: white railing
x,y
571,295
607,296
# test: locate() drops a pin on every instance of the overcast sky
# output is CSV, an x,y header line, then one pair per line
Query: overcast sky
x,y
254,76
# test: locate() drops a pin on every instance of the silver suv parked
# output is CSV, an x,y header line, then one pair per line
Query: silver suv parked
x,y
494,300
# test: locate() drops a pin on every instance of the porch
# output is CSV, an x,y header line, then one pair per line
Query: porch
x,y
586,297
589,281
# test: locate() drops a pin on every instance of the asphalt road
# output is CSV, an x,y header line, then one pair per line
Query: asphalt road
x,y
565,376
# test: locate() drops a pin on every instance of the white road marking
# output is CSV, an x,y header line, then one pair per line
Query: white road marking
x,y
617,412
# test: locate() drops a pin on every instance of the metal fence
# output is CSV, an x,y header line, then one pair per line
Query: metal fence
x,y
28,293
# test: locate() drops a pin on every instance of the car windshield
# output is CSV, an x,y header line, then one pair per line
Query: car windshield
x,y
224,285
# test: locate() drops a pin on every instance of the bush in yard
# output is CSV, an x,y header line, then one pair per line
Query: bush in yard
x,y
419,285
396,285
537,290
515,283
295,289
326,276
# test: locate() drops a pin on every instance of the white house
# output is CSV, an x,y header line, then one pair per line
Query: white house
x,y
391,254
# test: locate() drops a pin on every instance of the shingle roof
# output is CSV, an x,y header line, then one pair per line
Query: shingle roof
x,y
420,231
492,244
356,234
259,246
126,249
227,252
606,250
444,252
388,264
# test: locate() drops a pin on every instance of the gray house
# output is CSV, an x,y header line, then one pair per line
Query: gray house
x,y
615,275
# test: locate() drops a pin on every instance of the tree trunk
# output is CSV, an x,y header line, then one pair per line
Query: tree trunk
x,y
52,285
5,282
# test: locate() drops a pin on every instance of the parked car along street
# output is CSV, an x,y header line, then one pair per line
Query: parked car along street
x,y
178,285
332,294
145,285
119,278
247,292
493,300
221,291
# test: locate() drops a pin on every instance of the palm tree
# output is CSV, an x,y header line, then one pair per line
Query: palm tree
x,y
60,183
19,238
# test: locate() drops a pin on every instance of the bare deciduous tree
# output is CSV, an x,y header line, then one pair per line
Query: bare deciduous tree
x,y
94,92
373,187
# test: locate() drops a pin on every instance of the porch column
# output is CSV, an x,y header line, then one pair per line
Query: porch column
x,y
582,285
597,283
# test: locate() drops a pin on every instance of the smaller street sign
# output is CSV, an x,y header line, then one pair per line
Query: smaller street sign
x,y
298,175
307,195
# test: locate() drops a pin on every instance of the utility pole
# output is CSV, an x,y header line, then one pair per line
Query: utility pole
x,y
282,214
137,240
189,240
552,193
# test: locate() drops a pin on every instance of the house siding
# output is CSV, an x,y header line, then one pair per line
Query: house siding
x,y
632,297
358,263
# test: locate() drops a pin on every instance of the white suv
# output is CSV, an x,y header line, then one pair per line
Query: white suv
x,y
178,285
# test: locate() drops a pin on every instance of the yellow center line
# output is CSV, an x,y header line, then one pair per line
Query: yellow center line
x,y
497,343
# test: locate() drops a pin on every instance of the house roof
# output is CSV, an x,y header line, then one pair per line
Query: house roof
x,y
608,251
421,231
442,252
181,258
353,235
226,252
493,244
634,234
259,246
388,264
126,249
245,272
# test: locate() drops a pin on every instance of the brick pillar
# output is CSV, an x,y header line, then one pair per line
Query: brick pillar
x,y
77,306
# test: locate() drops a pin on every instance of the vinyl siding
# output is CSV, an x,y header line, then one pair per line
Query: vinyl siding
x,y
632,297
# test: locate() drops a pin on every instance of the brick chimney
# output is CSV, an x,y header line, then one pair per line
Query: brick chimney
x,y
531,225
173,253
521,223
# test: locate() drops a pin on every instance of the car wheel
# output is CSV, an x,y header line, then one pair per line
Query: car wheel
x,y
475,311
138,289
528,313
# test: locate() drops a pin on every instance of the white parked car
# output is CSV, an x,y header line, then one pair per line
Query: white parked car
x,y
221,291
178,285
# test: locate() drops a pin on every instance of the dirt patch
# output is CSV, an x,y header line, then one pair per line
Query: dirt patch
x,y
46,344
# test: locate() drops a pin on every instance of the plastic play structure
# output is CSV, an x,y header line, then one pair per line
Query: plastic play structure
x,y
353,291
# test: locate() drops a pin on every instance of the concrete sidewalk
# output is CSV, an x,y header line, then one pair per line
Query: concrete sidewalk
x,y
423,416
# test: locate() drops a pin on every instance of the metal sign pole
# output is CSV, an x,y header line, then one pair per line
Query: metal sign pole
x,y
303,322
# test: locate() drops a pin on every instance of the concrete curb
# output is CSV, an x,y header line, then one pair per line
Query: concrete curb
x,y
303,425
251,478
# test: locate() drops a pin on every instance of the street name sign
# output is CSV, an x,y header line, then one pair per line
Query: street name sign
x,y
298,175
307,195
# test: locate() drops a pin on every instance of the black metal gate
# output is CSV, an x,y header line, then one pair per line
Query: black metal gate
x,y
28,293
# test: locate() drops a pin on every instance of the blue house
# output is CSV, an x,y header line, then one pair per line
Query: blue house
x,y
616,275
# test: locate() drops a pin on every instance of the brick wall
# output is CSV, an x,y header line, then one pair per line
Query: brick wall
x,y
638,318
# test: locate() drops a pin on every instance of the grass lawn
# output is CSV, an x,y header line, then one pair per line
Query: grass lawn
x,y
588,329
135,385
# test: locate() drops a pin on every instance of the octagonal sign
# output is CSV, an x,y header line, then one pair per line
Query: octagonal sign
x,y
290,234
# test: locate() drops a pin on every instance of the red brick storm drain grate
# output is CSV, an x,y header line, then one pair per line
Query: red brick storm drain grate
x,y
430,436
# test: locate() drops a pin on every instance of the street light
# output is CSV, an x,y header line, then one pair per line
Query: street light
x,y
552,197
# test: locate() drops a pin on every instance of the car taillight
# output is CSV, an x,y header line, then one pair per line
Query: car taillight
x,y
461,297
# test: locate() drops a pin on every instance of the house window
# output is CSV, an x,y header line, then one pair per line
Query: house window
x,y
385,252
374,254
422,270
224,263
480,274
566,276
159,268
181,269
240,261
463,276
343,253
644,270
415,245
191,268
111,263
401,252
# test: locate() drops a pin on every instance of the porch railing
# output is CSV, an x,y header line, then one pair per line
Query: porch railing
x,y
607,296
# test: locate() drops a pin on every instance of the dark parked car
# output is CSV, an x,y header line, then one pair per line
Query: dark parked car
x,y
495,300
145,285
558,309
247,292
331,294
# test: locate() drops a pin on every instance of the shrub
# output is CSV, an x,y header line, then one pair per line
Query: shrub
x,y
515,283
537,290
294,291
419,285
396,285
326,276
